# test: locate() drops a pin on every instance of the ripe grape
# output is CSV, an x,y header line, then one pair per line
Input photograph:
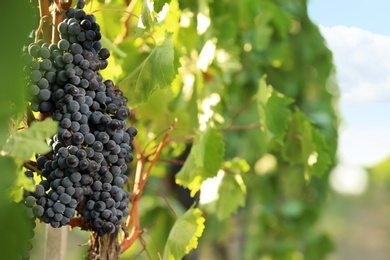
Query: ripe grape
x,y
85,172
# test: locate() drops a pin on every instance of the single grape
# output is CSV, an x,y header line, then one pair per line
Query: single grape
x,y
55,224
35,75
98,223
100,206
65,123
72,161
38,211
74,28
58,207
49,212
104,53
30,201
67,58
89,139
65,198
66,182
75,126
57,217
63,44
109,228
39,191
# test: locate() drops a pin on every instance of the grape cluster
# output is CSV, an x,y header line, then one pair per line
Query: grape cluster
x,y
85,173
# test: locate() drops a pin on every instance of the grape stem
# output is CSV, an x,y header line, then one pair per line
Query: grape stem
x,y
177,162
241,110
146,230
115,10
164,199
140,181
27,165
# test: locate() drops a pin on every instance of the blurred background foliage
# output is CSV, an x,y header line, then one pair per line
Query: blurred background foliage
x,y
226,47
228,52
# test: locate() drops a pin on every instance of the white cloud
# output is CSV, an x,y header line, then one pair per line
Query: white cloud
x,y
364,146
362,59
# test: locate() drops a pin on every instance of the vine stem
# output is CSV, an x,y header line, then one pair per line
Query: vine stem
x,y
154,243
140,181
242,109
115,10
154,138
125,20
164,199
158,151
45,24
57,18
177,162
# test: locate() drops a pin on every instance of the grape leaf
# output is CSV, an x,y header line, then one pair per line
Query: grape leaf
x,y
305,145
159,4
237,165
21,183
204,160
274,112
184,234
12,219
231,195
31,140
157,71
146,16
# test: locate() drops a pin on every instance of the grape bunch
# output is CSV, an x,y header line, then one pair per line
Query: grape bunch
x,y
86,172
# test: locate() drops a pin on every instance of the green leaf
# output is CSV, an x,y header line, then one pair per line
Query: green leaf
x,y
139,32
306,146
157,71
231,195
274,112
184,234
31,140
159,4
146,16
22,182
204,160
237,166
12,218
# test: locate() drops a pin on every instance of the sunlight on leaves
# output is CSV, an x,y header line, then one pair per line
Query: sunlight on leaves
x,y
156,72
184,235
274,112
306,146
24,143
231,195
204,161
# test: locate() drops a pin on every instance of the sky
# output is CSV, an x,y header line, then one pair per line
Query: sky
x,y
370,15
358,33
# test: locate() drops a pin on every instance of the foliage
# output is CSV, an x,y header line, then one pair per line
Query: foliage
x,y
203,162
180,243
14,227
23,144
250,84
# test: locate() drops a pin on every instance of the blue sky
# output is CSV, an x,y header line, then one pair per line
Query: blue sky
x,y
358,33
373,15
